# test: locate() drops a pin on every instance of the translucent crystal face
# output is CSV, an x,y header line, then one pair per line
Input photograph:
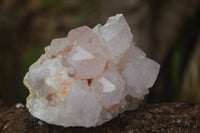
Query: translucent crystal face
x,y
90,76
109,86
90,55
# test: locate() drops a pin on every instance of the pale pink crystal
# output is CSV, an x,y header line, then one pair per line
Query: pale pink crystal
x,y
90,76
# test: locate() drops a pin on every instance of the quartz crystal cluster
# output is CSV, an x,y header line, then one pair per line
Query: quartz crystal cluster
x,y
90,76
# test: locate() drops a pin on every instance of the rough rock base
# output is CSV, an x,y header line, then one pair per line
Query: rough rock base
x,y
168,117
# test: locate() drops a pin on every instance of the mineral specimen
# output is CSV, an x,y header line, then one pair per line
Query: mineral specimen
x,y
90,76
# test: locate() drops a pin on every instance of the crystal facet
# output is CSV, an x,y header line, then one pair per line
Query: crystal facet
x,y
90,76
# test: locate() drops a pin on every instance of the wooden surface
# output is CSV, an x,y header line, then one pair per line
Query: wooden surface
x,y
166,117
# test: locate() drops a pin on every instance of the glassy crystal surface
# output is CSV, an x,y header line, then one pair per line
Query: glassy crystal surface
x,y
90,76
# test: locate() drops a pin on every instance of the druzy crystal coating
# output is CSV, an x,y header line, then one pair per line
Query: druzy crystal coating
x,y
90,76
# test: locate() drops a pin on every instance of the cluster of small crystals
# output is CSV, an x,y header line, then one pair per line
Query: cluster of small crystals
x,y
90,76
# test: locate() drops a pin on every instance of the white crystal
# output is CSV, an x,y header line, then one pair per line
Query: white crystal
x,y
81,54
90,76
132,54
19,105
82,107
115,35
140,75
107,86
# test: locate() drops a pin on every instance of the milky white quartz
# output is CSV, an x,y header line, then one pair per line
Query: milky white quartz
x,y
90,76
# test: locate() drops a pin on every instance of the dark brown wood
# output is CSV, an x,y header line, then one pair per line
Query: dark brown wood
x,y
167,117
